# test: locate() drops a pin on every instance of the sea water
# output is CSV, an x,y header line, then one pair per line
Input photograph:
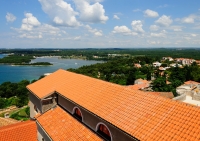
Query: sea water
x,y
18,73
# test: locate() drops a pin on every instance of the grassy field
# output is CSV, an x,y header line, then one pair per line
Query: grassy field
x,y
22,114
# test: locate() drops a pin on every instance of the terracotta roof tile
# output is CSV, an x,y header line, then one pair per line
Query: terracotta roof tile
x,y
63,127
138,113
23,131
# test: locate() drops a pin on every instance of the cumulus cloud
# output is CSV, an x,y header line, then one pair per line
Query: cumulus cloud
x,y
154,28
116,17
40,31
30,36
189,19
123,30
161,34
92,13
29,22
150,13
94,31
164,21
137,26
60,12
10,17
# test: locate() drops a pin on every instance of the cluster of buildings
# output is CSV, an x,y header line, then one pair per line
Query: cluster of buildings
x,y
180,62
69,106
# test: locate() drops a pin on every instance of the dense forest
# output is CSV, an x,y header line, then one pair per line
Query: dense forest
x,y
21,60
16,59
13,94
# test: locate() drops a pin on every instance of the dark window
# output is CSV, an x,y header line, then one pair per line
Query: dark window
x,y
78,114
104,132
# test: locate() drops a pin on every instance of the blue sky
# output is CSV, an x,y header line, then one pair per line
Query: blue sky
x,y
99,23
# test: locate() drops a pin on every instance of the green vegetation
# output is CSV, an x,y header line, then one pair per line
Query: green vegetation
x,y
13,94
22,60
120,71
123,72
22,114
16,59
37,64
103,54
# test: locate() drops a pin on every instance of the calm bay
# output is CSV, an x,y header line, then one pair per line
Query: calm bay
x,y
18,73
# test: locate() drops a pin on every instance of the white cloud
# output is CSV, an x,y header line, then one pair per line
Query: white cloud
x,y
10,17
164,21
194,35
61,12
189,19
77,38
29,22
153,42
177,29
154,28
121,29
30,36
93,13
137,26
161,34
94,31
98,33
116,17
150,13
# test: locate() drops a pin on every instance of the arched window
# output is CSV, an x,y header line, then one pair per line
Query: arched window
x,y
104,132
77,113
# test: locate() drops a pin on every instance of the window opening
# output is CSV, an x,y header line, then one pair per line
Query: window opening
x,y
103,131
78,114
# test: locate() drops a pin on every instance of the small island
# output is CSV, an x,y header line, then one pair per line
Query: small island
x,y
33,64
21,60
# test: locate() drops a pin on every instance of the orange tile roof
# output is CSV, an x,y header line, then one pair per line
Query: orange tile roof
x,y
23,131
63,127
142,115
